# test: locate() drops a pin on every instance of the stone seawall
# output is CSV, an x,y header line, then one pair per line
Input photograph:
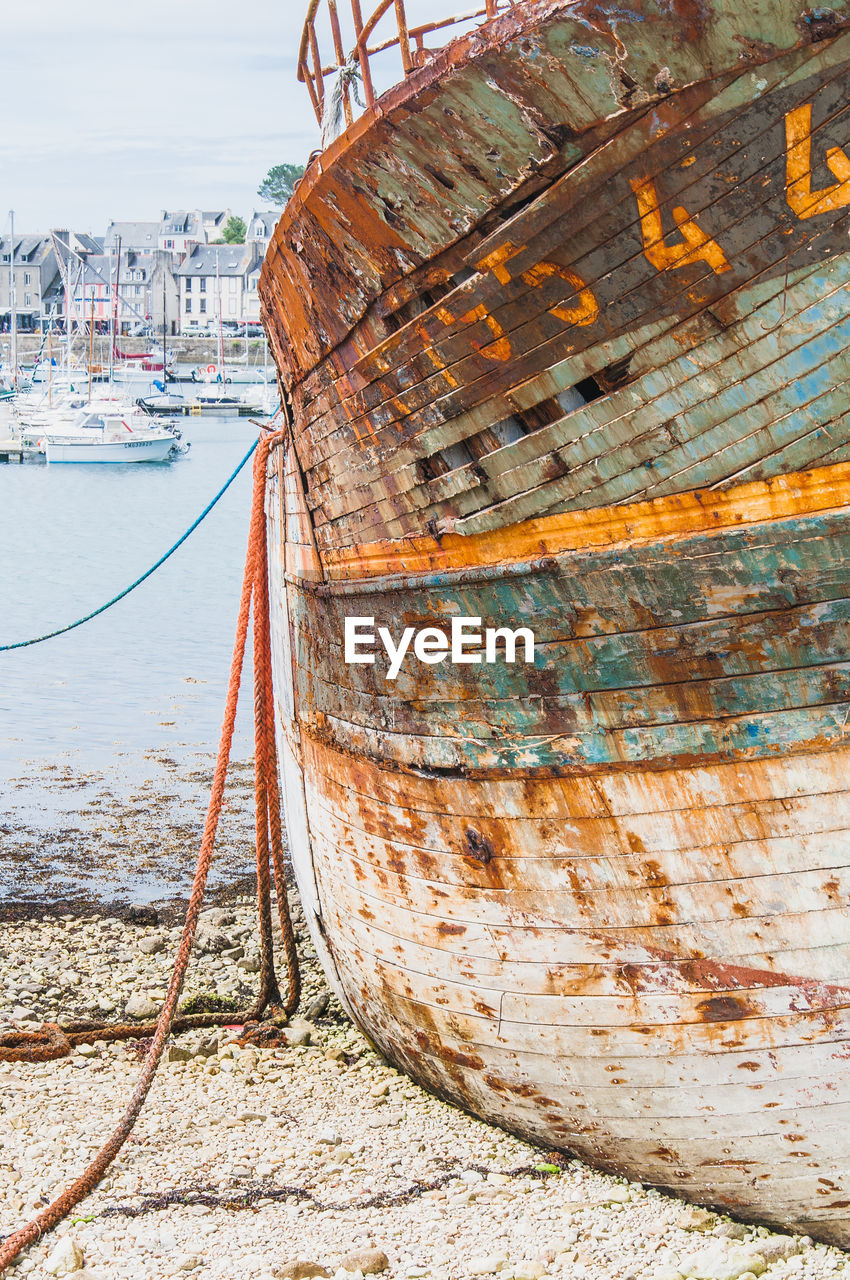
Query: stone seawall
x,y
190,350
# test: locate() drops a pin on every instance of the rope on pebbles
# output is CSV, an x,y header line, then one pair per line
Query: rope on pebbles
x,y
53,1041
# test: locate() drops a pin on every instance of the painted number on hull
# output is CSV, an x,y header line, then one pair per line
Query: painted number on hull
x,y
798,168
660,250
694,246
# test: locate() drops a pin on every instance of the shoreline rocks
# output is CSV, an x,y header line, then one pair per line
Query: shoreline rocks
x,y
311,1157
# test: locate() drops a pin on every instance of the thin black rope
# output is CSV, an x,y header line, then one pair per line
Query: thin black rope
x,y
49,635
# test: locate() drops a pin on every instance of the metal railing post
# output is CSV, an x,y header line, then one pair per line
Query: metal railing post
x,y
406,38
403,37
341,59
365,66
317,71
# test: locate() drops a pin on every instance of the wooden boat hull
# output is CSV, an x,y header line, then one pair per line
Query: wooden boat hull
x,y
613,920
595,387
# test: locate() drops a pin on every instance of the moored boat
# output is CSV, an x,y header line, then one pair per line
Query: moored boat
x,y
562,319
101,434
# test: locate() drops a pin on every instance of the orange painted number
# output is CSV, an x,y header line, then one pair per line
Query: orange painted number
x,y
586,309
695,245
798,168
499,349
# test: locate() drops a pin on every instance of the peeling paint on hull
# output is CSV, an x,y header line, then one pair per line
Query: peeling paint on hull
x,y
597,389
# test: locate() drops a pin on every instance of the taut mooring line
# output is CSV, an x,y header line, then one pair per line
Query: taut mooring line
x,y
49,635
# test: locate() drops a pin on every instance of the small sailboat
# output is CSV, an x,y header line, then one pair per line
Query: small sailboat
x,y
160,400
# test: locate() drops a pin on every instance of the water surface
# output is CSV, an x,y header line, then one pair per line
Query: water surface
x,y
100,727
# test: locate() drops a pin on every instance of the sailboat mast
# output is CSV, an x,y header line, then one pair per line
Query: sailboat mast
x,y
112,318
220,328
116,298
13,302
91,340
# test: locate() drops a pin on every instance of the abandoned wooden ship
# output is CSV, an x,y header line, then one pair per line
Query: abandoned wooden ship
x,y
562,319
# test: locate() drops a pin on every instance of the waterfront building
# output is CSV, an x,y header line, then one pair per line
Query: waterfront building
x,y
236,267
182,229
36,275
214,223
261,226
134,237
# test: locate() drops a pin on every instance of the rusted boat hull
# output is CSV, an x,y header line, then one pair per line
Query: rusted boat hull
x,y
620,927
595,388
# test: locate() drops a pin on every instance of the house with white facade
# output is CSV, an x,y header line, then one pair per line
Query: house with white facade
x,y
181,229
214,276
261,227
215,222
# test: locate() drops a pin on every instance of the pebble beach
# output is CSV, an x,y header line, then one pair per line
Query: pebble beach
x,y
309,1158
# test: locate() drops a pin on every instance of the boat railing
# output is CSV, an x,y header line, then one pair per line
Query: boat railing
x,y
355,68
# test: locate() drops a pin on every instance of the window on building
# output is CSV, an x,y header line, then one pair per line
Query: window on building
x,y
203,284
138,290
27,300
169,244
203,306
188,284
27,278
188,305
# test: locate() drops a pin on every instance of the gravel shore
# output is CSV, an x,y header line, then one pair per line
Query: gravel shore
x,y
308,1159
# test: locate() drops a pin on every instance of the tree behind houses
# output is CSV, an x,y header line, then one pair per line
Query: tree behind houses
x,y
234,232
279,183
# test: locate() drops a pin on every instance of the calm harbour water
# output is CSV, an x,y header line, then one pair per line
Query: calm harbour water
x,y
134,699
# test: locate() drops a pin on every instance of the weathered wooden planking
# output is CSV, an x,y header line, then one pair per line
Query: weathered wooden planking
x,y
688,158
679,675
601,900
715,388
514,99
650,348
658,1086
515,551
629,239
492,480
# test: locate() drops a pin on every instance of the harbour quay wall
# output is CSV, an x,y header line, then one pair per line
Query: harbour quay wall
x,y
190,350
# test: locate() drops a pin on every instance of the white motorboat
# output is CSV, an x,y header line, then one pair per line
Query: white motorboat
x,y
104,435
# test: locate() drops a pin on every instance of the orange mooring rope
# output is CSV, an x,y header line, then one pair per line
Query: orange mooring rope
x,y
53,1041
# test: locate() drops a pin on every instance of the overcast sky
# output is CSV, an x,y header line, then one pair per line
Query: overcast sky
x,y
121,108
